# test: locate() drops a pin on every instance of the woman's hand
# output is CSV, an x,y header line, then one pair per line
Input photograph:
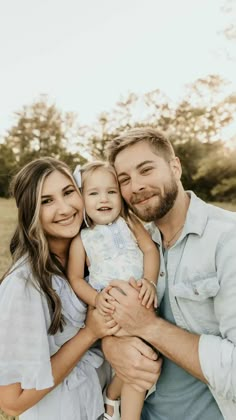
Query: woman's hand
x,y
135,362
99,325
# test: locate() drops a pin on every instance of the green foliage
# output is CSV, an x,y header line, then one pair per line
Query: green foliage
x,y
195,127
40,130
7,168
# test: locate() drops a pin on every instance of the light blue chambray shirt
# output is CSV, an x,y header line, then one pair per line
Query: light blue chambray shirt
x,y
202,280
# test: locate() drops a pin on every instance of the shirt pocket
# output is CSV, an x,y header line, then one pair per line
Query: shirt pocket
x,y
197,288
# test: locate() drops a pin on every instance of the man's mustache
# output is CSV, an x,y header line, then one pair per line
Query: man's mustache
x,y
138,197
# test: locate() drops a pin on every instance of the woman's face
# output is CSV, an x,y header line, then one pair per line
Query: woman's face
x,y
61,212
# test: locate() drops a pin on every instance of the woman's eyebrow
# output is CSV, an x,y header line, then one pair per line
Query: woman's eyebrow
x,y
68,186
63,189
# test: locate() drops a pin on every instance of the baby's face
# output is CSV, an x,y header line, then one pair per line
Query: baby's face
x,y
102,197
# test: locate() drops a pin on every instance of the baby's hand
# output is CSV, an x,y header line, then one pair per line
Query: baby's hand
x,y
148,293
103,302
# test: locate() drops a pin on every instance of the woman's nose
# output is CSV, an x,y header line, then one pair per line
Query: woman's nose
x,y
63,206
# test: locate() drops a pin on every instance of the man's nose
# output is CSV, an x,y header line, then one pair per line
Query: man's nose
x,y
137,184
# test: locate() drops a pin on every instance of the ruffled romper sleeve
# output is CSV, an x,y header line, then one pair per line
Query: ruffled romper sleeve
x,y
24,344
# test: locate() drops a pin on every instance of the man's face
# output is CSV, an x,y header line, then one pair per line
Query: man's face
x,y
148,183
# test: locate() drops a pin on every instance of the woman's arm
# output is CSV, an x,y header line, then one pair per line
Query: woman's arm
x,y
75,273
14,400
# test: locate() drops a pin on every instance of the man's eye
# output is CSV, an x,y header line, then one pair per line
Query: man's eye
x,y
124,181
146,170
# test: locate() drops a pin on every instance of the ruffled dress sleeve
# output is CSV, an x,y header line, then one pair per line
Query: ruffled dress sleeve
x,y
24,343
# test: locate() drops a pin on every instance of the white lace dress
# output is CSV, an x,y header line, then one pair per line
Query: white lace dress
x,y
25,350
113,253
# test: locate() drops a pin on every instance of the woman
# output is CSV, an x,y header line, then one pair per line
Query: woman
x,y
47,371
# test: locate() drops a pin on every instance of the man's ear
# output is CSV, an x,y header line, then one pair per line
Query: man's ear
x,y
176,167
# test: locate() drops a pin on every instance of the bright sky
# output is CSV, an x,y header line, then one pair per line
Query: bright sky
x,y
86,54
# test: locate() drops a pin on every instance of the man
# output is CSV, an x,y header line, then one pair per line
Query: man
x,y
196,329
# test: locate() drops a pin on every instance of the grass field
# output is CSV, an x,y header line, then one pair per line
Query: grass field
x,y
8,216
7,225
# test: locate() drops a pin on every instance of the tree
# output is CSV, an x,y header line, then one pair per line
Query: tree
x,y
196,127
41,130
7,169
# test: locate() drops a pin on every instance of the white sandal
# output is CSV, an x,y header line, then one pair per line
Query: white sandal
x,y
116,405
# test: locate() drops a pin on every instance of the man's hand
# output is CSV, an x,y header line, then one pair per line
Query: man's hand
x,y
134,362
129,312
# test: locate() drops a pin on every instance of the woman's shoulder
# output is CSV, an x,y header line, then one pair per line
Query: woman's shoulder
x,y
19,277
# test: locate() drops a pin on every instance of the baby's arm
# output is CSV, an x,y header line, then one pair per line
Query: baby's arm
x,y
75,273
80,286
151,263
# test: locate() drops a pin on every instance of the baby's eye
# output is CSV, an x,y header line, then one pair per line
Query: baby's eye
x,y
112,192
93,193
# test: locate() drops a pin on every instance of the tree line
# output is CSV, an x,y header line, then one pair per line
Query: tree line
x,y
197,127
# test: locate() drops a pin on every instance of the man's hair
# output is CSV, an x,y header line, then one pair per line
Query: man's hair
x,y
157,141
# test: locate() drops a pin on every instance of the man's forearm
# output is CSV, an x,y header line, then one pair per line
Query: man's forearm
x,y
178,345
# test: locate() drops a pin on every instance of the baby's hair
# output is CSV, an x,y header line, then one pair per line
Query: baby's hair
x,y
91,167
87,170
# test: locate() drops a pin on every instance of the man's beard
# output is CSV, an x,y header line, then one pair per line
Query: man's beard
x,y
156,211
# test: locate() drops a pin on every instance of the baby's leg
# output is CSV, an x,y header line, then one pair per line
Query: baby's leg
x,y
113,393
131,403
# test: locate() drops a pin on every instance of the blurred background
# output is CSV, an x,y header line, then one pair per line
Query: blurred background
x,y
74,74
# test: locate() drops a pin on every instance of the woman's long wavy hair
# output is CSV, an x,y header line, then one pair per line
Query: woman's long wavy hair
x,y
29,239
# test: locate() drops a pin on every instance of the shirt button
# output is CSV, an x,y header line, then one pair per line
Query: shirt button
x,y
162,273
196,292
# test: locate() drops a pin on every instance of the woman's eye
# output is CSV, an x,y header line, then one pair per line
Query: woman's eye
x,y
68,192
46,201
